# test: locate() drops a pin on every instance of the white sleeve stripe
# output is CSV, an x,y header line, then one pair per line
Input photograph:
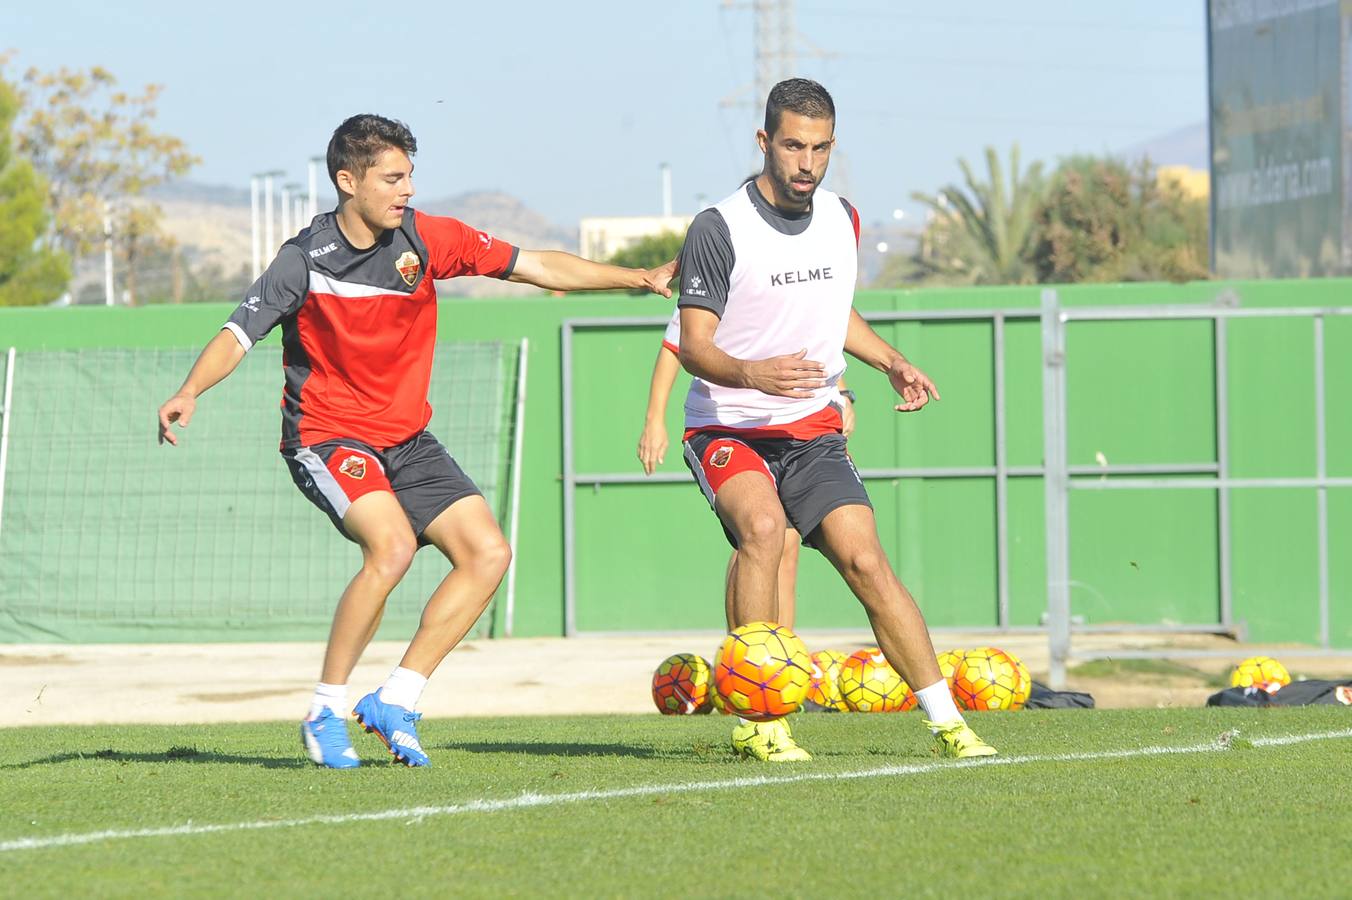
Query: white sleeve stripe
x,y
672,335
239,335
323,284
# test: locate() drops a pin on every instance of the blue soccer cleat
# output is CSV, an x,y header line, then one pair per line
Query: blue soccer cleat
x,y
325,740
394,725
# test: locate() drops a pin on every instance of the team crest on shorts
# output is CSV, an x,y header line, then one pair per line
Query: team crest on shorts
x,y
408,266
353,467
1343,694
721,457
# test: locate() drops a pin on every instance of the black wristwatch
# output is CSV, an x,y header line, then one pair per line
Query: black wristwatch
x,y
848,395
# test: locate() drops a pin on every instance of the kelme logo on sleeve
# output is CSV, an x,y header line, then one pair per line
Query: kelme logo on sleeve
x,y
408,266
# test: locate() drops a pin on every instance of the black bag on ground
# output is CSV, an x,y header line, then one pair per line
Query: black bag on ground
x,y
1311,692
1238,696
1043,697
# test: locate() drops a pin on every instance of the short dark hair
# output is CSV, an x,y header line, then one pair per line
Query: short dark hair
x,y
798,95
359,141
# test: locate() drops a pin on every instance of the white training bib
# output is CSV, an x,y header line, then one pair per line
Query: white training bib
x,y
786,293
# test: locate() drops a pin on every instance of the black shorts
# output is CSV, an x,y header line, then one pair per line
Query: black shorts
x,y
812,477
419,472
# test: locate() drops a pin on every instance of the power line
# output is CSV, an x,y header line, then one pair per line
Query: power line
x,y
1037,65
977,21
924,116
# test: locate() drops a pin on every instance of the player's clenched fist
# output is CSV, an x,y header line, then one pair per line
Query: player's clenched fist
x,y
786,376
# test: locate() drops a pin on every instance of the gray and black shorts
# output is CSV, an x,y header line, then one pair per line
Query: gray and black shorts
x,y
419,472
812,477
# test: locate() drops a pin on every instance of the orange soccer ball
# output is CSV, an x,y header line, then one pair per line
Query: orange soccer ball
x,y
987,678
683,685
825,687
868,683
762,671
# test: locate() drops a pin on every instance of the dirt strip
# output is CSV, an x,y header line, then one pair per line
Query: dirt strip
x,y
199,683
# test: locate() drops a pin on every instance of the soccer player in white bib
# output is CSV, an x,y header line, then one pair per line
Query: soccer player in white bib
x,y
766,306
652,451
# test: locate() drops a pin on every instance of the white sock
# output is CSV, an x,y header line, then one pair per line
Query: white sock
x,y
334,696
403,688
937,702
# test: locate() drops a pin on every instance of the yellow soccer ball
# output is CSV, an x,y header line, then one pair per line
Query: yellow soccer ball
x,y
1261,672
1025,682
868,683
948,664
825,687
986,679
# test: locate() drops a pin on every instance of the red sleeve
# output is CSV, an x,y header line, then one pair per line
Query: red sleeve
x,y
854,217
454,248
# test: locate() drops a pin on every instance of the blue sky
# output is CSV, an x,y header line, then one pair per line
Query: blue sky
x,y
573,108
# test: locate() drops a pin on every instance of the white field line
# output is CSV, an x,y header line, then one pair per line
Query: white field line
x,y
527,801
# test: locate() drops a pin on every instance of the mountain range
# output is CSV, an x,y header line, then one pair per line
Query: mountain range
x,y
211,222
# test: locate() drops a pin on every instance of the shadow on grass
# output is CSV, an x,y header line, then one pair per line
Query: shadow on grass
x,y
172,755
536,748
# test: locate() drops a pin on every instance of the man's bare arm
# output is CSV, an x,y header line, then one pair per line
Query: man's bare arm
x,y
555,270
914,386
781,376
217,360
652,442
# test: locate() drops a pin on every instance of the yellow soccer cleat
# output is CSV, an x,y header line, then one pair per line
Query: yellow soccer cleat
x,y
957,740
768,741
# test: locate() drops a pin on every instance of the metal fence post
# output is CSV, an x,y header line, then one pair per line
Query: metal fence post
x,y
6,413
1001,476
1321,472
1222,397
1055,486
518,442
569,513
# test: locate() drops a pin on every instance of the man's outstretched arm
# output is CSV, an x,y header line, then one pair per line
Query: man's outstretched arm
x,y
217,360
555,270
864,344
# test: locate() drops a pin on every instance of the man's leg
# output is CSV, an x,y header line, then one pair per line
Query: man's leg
x,y
727,589
750,509
378,524
786,579
740,487
848,536
469,536
376,521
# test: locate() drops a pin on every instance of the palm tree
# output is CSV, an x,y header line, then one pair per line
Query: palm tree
x,y
984,234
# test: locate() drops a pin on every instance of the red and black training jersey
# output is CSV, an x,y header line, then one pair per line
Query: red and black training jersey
x,y
358,326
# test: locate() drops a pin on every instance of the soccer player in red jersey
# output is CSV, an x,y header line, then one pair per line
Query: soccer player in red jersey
x,y
354,295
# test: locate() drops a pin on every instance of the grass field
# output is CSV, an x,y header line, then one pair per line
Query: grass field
x,y
1144,802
